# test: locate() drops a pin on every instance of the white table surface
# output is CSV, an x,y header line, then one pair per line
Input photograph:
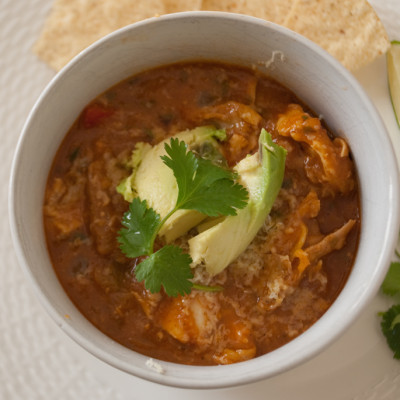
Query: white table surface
x,y
38,361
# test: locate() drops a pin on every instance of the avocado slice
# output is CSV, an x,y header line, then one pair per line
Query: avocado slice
x,y
126,186
153,181
262,175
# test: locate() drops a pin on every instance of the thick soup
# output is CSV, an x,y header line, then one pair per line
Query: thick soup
x,y
286,278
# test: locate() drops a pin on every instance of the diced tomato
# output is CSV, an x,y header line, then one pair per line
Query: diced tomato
x,y
94,114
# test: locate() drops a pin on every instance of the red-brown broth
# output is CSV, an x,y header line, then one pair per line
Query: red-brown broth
x,y
82,215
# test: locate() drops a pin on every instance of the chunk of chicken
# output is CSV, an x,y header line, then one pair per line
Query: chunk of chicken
x,y
292,229
64,204
329,158
199,319
242,123
231,113
235,339
190,319
103,177
148,301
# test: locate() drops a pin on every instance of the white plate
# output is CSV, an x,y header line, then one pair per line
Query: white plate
x,y
39,362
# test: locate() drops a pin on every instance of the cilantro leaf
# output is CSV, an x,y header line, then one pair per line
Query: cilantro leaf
x,y
202,185
209,202
391,328
141,225
168,267
391,284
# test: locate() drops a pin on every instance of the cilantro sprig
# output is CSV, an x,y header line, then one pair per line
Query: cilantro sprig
x,y
141,227
202,186
391,328
168,267
390,323
391,283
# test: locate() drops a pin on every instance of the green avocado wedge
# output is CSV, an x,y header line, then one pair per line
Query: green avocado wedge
x,y
153,181
262,175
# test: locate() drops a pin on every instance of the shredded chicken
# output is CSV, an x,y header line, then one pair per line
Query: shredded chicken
x,y
65,201
231,113
148,301
280,258
242,123
331,242
286,236
199,319
336,168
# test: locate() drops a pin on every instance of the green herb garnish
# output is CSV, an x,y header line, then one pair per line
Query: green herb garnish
x,y
202,186
391,284
391,328
391,318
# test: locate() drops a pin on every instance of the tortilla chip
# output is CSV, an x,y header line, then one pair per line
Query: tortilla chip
x,y
75,24
350,30
271,10
172,6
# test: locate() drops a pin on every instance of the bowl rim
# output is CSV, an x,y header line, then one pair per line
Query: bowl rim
x,y
234,374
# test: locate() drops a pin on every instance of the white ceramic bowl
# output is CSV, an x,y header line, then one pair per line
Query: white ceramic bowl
x,y
319,80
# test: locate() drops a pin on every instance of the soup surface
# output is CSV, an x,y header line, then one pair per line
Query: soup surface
x,y
278,287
